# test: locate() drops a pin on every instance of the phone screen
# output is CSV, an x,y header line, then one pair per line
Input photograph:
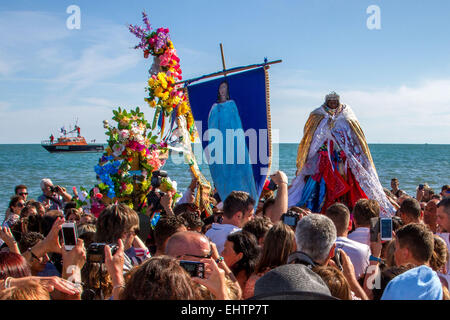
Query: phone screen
x,y
386,228
194,268
69,236
289,220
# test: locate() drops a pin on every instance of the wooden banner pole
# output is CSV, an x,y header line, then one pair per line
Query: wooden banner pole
x,y
223,57
232,70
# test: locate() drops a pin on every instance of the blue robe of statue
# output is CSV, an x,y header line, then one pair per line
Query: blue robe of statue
x,y
237,174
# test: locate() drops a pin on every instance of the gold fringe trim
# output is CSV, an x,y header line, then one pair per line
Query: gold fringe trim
x,y
269,119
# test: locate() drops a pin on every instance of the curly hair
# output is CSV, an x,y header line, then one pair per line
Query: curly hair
x,y
160,278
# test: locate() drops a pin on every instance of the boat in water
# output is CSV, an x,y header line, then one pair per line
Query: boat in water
x,y
68,143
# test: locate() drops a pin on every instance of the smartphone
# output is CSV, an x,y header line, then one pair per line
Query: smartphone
x,y
337,258
272,186
386,229
69,233
194,268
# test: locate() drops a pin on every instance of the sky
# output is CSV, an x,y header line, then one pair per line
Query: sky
x,y
396,78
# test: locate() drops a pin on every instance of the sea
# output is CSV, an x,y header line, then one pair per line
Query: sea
x,y
412,164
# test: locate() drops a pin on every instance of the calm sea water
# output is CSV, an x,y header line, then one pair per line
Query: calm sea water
x,y
28,164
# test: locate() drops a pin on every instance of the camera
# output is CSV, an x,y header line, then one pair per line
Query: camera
x,y
156,178
290,218
421,186
154,200
54,189
96,252
194,268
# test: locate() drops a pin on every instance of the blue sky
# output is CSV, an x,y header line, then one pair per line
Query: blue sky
x,y
396,79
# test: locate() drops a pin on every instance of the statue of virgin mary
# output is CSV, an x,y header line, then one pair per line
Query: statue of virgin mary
x,y
334,163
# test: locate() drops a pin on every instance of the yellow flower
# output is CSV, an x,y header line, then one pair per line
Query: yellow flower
x,y
159,92
182,108
129,189
152,103
165,96
161,76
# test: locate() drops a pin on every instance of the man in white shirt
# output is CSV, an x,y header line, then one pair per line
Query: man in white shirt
x,y
358,253
364,210
238,208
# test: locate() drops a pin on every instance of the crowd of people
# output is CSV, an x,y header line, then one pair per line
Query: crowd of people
x,y
247,249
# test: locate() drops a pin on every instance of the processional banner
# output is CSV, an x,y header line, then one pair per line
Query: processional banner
x,y
233,120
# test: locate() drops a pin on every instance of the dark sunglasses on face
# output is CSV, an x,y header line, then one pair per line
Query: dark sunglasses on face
x,y
23,193
20,205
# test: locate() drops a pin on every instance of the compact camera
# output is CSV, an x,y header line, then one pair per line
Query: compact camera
x,y
290,218
96,252
194,268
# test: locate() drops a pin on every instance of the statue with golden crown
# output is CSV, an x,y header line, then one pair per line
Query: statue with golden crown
x,y
334,163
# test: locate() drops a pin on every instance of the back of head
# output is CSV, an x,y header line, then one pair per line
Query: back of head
x,y
335,280
235,202
364,210
440,255
420,283
113,221
192,220
267,204
186,242
160,278
259,226
387,275
291,281
13,265
29,239
278,245
340,215
411,208
30,290
418,239
315,235
166,227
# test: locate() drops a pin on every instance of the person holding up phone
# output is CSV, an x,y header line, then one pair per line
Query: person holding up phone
x,y
275,209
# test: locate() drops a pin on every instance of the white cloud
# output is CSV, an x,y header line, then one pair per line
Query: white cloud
x,y
404,114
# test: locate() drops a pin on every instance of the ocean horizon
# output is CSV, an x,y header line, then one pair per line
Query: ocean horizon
x,y
27,164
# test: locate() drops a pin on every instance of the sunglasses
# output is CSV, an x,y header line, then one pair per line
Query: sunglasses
x,y
20,205
209,255
23,193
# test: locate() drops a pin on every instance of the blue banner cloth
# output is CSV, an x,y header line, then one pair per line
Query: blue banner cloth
x,y
233,121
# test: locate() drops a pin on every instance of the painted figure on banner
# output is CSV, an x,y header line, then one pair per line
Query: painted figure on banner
x,y
228,156
334,163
